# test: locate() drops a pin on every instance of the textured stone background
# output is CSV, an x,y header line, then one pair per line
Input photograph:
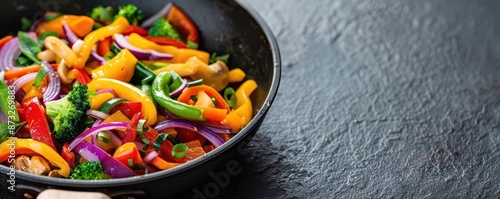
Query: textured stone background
x,y
386,98
380,98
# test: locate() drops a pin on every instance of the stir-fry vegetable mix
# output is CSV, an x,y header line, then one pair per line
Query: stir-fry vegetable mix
x,y
108,95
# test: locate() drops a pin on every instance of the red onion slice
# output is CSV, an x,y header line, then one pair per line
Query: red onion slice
x,y
10,51
110,165
179,90
162,13
97,114
150,156
140,53
53,91
96,129
72,38
210,135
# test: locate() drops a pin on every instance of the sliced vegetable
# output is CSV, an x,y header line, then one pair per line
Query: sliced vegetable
x,y
32,147
236,75
40,75
142,54
242,114
188,92
37,122
121,67
130,93
180,55
129,109
230,97
92,38
184,25
28,47
135,29
68,156
81,25
110,104
110,165
142,74
165,41
94,130
185,124
179,150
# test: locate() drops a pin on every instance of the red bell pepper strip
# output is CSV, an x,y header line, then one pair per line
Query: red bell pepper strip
x,y
131,132
135,29
68,156
37,122
104,46
82,76
186,135
129,109
166,147
183,24
166,41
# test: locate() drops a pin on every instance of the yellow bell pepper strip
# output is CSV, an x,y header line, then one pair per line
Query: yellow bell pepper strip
x,y
97,100
61,50
214,75
236,75
29,146
183,70
180,54
243,110
79,24
129,92
121,67
92,38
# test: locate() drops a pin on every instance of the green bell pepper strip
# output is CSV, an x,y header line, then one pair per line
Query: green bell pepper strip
x,y
161,95
142,74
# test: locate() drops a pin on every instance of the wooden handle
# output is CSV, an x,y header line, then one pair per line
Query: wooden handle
x,y
63,194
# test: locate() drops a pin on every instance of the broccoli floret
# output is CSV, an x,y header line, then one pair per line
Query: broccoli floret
x,y
68,113
102,13
131,13
161,27
91,170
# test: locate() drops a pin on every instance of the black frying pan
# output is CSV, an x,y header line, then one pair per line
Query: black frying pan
x,y
225,26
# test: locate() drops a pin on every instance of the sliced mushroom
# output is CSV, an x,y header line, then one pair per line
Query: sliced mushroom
x,y
39,165
54,173
22,163
36,165
214,75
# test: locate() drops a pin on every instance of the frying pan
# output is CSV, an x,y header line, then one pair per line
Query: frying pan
x,y
226,26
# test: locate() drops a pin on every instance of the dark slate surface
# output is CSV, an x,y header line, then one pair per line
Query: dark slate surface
x,y
378,99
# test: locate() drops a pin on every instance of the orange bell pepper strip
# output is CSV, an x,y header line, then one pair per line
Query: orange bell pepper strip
x,y
5,40
121,67
162,164
24,146
243,110
20,72
129,92
180,54
128,151
95,36
61,50
188,92
79,24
